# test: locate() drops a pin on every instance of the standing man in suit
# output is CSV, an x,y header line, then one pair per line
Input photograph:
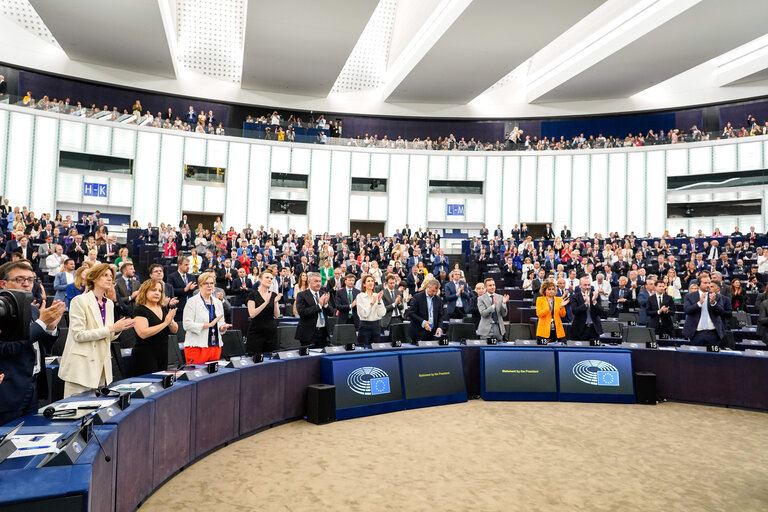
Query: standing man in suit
x,y
565,233
563,291
586,313
661,310
77,250
127,288
314,310
713,252
621,298
346,302
484,232
498,232
457,296
703,315
493,311
393,302
549,233
109,251
183,284
23,361
407,232
643,297
426,309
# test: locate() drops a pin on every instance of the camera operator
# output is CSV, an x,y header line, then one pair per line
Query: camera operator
x,y
23,361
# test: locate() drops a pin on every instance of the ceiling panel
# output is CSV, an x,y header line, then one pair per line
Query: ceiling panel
x,y
125,34
682,43
301,46
490,39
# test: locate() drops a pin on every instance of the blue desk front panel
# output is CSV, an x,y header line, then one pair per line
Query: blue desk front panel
x,y
592,375
518,374
433,377
365,384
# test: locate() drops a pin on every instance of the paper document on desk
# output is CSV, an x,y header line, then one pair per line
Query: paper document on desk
x,y
130,387
28,445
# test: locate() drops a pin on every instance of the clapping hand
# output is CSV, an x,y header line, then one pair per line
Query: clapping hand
x,y
278,297
505,298
170,316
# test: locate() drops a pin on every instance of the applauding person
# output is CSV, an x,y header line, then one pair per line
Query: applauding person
x,y
153,323
263,310
370,309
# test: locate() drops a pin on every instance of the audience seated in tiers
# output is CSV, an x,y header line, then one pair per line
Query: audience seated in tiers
x,y
276,127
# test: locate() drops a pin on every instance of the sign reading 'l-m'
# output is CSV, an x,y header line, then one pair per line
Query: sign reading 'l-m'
x,y
455,210
95,189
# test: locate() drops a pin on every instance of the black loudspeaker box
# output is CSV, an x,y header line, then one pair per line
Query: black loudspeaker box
x,y
645,388
321,403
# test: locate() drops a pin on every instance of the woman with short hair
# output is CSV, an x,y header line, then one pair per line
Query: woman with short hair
x,y
204,323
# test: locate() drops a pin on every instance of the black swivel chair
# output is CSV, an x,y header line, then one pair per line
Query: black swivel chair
x,y
286,337
638,335
343,334
461,331
520,332
233,345
176,357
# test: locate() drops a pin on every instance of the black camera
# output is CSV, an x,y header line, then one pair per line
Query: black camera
x,y
15,315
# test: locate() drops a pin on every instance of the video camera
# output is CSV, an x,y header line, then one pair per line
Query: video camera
x,y
15,315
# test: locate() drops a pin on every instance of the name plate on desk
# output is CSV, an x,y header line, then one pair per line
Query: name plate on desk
x,y
699,348
579,343
242,361
194,374
756,343
475,342
291,354
428,343
755,353
525,342
647,344
334,349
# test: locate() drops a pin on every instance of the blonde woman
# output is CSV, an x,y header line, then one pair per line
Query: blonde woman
x,y
86,363
674,285
204,323
370,309
375,271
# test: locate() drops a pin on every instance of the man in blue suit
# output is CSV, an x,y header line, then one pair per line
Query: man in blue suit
x,y
586,313
642,299
457,296
704,313
23,361
346,302
562,291
425,313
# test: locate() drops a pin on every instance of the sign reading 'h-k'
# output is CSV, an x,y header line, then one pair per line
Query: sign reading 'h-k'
x,y
95,189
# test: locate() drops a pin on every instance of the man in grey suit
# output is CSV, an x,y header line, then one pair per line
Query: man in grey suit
x,y
393,302
493,309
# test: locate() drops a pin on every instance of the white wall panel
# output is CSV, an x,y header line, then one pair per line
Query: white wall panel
x,y
438,167
72,136
281,159
510,199
171,177
69,188
563,192
192,198
194,151
121,194
300,160
492,189
214,199
319,191
358,207
617,188
476,166
527,189
398,178
436,209
656,203
123,143
377,207
750,155
457,167
4,116
418,186
216,154
581,192
725,157
146,172
19,158
380,165
361,166
749,220
677,162
338,220
545,189
280,222
636,183
474,211
599,195
700,161
44,165
97,139
258,186
235,209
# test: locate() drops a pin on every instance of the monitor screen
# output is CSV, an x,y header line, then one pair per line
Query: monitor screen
x,y
518,374
364,381
433,372
596,375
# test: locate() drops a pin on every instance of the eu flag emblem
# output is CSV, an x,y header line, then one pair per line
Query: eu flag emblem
x,y
380,386
607,378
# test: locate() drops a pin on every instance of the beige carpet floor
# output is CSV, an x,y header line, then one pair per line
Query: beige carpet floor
x,y
488,456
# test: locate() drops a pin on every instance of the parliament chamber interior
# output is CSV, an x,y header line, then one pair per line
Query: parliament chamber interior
x,y
393,256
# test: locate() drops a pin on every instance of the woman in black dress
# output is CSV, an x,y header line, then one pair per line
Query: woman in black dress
x,y
153,324
263,309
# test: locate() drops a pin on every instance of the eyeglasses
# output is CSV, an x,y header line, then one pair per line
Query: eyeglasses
x,y
23,280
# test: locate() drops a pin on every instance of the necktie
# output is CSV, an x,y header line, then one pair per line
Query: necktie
x,y
184,276
321,316
495,313
349,300
705,313
430,320
588,303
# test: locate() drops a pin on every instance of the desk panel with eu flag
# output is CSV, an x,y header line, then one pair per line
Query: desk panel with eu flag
x,y
433,377
596,376
518,374
365,384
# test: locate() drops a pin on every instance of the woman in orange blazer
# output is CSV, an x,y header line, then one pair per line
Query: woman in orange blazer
x,y
550,310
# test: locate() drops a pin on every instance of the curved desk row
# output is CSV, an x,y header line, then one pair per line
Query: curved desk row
x,y
156,437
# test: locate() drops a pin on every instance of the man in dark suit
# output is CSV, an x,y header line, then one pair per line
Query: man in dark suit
x,y
484,232
393,302
108,251
407,232
549,233
127,287
346,302
314,310
649,288
498,232
713,251
586,313
661,310
425,313
620,299
457,296
23,361
183,284
225,274
240,285
562,291
77,250
703,315
565,233
414,280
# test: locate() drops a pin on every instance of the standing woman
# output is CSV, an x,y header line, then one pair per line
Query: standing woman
x,y
326,271
263,309
738,296
550,310
301,285
76,287
370,309
87,362
204,323
153,324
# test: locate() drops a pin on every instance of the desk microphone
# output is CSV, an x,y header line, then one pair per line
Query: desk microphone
x,y
87,424
52,412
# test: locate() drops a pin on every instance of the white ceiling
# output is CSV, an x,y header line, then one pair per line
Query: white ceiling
x,y
442,58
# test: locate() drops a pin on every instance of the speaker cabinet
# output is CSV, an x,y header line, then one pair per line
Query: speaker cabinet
x,y
645,388
321,403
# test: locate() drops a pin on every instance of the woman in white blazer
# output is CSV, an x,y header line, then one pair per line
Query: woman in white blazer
x,y
86,363
204,323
